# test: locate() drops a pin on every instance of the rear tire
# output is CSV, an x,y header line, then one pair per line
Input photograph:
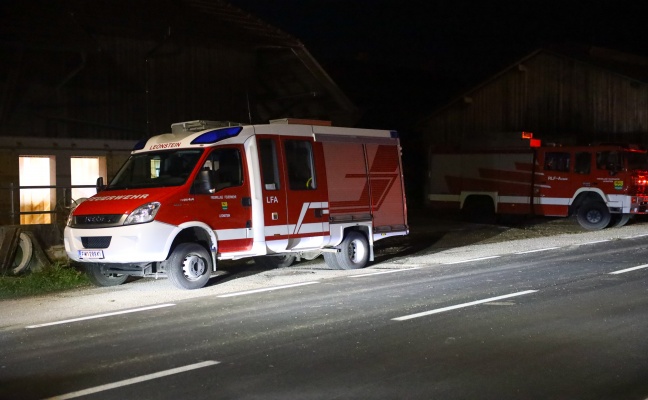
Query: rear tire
x,y
619,220
479,210
272,262
353,254
189,266
98,278
593,215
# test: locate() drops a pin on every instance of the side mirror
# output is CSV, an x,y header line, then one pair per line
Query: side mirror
x,y
100,184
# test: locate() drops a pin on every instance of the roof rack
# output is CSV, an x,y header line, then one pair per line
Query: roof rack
x,y
200,125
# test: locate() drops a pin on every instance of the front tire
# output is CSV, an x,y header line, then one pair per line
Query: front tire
x,y
353,254
593,215
189,266
102,279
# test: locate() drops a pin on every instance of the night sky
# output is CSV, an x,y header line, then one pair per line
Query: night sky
x,y
400,59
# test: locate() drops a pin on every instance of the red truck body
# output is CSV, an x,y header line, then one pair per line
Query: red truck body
x,y
603,185
209,191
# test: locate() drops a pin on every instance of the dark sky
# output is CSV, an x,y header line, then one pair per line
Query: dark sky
x,y
403,58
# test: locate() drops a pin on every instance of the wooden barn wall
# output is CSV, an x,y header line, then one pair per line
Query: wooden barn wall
x,y
559,99
128,89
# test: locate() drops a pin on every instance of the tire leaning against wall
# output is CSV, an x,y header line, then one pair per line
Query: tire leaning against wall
x,y
24,253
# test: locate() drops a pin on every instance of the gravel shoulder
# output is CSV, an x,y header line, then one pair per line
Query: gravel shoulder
x,y
434,242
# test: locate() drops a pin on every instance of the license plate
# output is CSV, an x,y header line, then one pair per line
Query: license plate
x,y
96,254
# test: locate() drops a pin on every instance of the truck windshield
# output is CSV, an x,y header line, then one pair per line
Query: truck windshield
x,y
636,160
156,169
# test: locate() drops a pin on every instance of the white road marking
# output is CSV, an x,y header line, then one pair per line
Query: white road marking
x,y
132,381
472,259
472,303
635,236
597,241
537,250
623,271
402,265
101,315
391,271
267,289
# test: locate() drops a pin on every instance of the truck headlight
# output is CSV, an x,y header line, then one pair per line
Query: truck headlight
x,y
143,213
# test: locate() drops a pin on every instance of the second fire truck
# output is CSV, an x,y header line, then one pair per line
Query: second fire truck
x,y
602,185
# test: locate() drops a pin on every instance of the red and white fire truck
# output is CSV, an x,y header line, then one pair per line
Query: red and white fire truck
x,y
603,185
212,191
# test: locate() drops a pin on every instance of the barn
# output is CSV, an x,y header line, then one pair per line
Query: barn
x,y
563,94
81,81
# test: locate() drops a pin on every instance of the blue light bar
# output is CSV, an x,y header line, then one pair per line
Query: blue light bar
x,y
217,135
140,145
393,134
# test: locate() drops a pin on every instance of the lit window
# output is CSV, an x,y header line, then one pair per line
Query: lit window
x,y
84,171
36,171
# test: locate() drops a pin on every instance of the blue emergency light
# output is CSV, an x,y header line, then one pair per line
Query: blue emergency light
x,y
140,145
217,135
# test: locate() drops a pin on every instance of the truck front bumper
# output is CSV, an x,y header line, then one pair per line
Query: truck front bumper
x,y
140,243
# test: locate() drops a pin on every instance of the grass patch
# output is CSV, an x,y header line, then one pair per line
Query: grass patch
x,y
53,278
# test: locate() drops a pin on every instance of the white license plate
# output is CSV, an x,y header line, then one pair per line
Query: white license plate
x,y
91,254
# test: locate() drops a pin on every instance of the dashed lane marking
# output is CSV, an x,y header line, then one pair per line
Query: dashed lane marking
x,y
101,315
267,289
623,271
472,303
133,381
470,260
391,271
537,250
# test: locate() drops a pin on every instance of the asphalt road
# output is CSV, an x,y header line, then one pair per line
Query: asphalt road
x,y
561,319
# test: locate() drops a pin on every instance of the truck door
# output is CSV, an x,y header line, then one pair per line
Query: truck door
x,y
273,189
225,205
563,171
306,192
294,192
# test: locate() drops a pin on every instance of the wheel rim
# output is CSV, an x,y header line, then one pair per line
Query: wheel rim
x,y
356,251
594,216
193,267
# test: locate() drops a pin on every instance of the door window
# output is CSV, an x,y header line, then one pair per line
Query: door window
x,y
583,163
609,160
301,171
269,164
224,168
557,161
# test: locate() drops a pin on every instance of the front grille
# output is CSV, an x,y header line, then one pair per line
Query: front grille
x,y
97,220
96,242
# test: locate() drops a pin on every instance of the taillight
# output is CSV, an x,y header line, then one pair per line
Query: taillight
x,y
640,180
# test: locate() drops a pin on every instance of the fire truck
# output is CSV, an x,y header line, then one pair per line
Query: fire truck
x,y
602,185
211,191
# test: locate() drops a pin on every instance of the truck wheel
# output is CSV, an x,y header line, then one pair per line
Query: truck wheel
x,y
99,278
272,262
479,209
619,220
189,266
593,215
353,254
